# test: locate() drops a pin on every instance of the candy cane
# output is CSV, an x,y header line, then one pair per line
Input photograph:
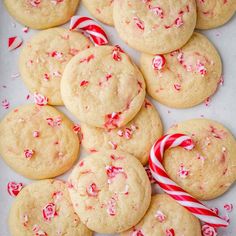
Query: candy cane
x,y
89,27
171,188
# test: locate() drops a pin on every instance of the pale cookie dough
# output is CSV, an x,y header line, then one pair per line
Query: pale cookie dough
x,y
209,169
101,10
185,77
41,14
214,13
135,138
102,87
38,142
110,191
155,26
166,215
44,57
44,208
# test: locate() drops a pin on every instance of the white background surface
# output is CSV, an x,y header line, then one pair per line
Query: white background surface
x,y
222,106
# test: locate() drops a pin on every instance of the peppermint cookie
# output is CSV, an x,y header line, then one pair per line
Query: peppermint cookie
x,y
102,87
155,26
209,169
136,138
101,10
166,217
44,57
214,13
185,77
41,14
38,142
44,208
110,191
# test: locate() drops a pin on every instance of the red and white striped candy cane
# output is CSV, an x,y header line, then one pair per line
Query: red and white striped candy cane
x,y
170,187
89,27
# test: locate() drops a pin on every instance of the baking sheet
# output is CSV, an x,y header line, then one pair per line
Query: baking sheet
x,y
222,105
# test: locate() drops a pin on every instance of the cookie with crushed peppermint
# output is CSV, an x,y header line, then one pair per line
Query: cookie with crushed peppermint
x,y
41,14
155,27
38,142
110,191
44,57
102,87
185,77
44,208
214,13
209,169
135,138
165,217
101,10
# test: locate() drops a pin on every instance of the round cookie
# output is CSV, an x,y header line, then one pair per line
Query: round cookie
x,y
110,191
185,77
102,87
44,57
41,14
209,169
44,208
166,215
155,26
38,142
101,10
135,138
214,13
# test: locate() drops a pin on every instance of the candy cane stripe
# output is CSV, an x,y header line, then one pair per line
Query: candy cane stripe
x,y
170,187
89,27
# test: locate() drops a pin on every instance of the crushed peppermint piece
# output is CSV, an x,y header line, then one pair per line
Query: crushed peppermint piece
x,y
14,43
139,23
170,232
14,188
76,128
116,53
5,104
158,62
228,207
160,216
113,145
29,153
53,122
92,190
84,83
111,207
40,99
36,134
183,172
113,171
49,211
137,232
208,230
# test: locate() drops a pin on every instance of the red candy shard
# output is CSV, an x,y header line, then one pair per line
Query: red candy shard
x,y
14,188
40,100
84,83
208,230
160,216
29,153
49,211
116,53
139,23
14,43
228,207
137,232
158,62
170,232
76,128
112,120
92,190
113,171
